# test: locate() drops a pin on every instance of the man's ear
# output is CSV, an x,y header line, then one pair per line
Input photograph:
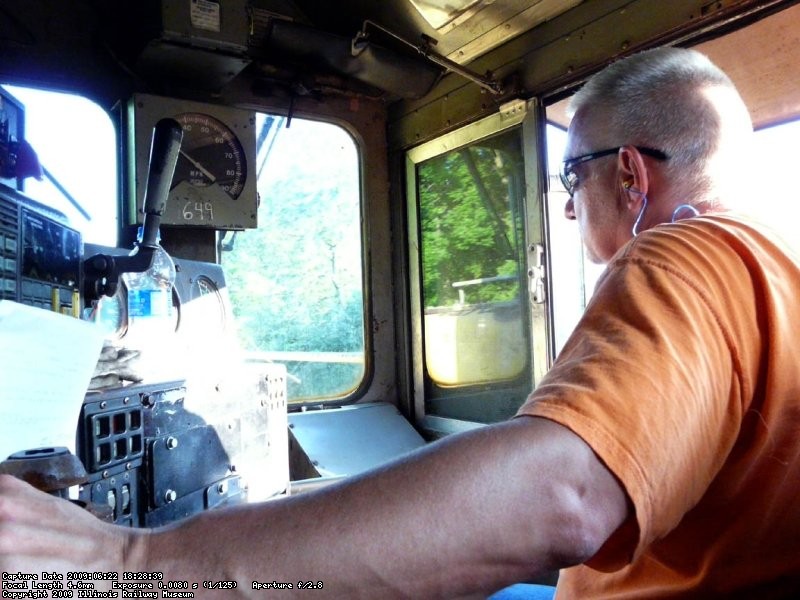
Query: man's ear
x,y
632,174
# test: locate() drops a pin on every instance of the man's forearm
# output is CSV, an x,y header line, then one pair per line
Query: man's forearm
x,y
466,515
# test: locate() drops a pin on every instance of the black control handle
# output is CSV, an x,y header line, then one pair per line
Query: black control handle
x,y
102,271
164,150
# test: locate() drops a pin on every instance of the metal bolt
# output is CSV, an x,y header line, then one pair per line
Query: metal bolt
x,y
222,488
103,404
170,496
172,443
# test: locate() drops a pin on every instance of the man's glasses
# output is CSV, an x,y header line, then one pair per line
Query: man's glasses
x,y
569,179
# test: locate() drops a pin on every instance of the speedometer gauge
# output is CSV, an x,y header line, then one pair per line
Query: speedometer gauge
x,y
214,184
210,154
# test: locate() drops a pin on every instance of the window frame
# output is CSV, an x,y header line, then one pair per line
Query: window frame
x,y
528,116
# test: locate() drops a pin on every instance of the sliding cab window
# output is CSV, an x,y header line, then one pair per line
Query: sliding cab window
x,y
64,147
469,277
296,282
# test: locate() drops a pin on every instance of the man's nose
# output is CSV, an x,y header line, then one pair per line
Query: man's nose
x,y
569,210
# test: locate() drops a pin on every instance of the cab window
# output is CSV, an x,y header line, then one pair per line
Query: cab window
x,y
75,143
296,282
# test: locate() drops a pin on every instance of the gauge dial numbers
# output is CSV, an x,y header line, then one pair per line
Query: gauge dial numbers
x,y
210,155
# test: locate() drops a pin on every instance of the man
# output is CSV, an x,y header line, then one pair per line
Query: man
x,y
660,452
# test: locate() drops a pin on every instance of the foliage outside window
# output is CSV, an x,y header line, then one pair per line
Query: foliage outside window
x,y
472,255
296,281
468,228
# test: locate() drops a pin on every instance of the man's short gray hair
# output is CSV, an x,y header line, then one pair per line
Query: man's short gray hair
x,y
653,99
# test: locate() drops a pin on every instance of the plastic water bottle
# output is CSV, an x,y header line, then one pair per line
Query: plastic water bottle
x,y
150,315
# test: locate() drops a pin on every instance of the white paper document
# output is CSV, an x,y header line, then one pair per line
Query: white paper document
x,y
46,362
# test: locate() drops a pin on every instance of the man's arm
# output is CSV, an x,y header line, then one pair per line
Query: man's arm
x,y
469,514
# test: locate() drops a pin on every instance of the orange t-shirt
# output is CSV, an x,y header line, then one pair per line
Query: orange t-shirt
x,y
684,377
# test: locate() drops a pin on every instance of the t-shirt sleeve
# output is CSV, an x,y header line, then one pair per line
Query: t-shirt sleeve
x,y
649,380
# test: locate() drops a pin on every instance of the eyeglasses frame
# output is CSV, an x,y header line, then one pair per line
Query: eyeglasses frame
x,y
570,163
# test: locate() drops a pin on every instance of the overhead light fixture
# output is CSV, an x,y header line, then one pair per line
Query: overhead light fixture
x,y
439,13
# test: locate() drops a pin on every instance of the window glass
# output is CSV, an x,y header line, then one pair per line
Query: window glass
x,y
75,143
296,281
572,274
474,292
775,155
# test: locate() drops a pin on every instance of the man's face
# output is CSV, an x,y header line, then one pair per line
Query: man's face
x,y
595,203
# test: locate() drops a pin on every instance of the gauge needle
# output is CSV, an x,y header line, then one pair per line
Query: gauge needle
x,y
199,167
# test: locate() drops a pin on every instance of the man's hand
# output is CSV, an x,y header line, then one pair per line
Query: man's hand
x,y
41,533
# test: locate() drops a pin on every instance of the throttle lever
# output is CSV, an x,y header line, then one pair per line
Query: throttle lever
x,y
102,271
164,150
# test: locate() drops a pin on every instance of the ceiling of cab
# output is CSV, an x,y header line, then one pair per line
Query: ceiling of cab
x,y
389,46
309,46
160,45
461,29
762,59
393,46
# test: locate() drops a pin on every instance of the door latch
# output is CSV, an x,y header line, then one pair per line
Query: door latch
x,y
536,274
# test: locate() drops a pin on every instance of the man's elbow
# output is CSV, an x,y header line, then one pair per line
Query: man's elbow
x,y
577,541
583,522
578,503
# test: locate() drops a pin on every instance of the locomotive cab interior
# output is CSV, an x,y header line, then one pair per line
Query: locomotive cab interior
x,y
327,316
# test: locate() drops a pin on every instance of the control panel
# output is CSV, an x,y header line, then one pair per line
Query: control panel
x,y
141,445
40,257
